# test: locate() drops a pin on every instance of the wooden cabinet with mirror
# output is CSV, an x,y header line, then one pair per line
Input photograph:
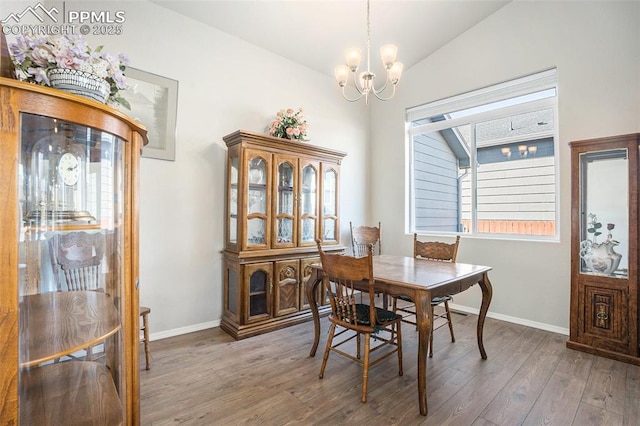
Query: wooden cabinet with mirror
x,y
604,247
69,269
281,196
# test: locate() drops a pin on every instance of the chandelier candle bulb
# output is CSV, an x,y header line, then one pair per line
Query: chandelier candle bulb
x,y
353,58
341,72
388,53
395,72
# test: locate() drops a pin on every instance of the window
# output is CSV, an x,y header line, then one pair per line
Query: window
x,y
484,162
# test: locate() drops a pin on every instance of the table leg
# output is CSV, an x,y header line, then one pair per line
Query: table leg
x,y
312,286
423,310
487,294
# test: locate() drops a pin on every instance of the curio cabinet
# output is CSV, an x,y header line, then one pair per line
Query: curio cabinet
x,y
281,195
604,247
69,268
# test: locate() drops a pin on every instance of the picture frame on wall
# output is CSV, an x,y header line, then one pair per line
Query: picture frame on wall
x,y
154,103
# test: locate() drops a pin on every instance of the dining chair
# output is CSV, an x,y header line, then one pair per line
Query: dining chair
x,y
430,250
341,274
363,236
144,314
76,258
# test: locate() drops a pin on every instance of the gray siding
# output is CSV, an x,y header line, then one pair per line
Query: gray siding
x,y
435,184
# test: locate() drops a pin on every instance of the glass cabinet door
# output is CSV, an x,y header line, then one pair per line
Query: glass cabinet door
x,y
285,203
308,203
604,212
71,278
259,281
257,201
232,201
329,206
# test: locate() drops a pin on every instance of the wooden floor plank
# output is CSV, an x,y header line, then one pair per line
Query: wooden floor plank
x,y
559,400
207,378
512,404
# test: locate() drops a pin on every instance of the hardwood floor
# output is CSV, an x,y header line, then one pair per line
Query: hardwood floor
x,y
529,378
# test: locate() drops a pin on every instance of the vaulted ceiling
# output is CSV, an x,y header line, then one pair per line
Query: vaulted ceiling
x,y
316,33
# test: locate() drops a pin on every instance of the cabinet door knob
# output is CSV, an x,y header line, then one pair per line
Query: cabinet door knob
x,y
602,316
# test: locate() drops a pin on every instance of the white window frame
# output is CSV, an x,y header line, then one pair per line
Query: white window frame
x,y
511,89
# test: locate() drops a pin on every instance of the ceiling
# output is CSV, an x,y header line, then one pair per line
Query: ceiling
x,y
316,33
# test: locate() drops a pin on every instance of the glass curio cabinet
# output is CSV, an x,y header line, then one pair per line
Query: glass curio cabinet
x,y
281,197
68,295
604,244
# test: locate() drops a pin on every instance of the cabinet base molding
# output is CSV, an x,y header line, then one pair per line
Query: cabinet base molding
x,y
239,332
630,359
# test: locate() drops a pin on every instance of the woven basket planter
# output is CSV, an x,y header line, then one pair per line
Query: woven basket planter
x,y
80,83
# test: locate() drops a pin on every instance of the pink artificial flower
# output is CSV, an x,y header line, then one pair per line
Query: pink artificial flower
x,y
290,111
289,131
296,132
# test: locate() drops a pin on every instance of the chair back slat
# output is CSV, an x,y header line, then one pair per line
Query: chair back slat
x,y
78,255
341,273
435,250
363,236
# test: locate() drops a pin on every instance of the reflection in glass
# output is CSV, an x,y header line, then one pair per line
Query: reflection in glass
x,y
604,204
285,230
258,290
71,193
285,189
329,207
255,230
257,201
308,230
233,201
309,190
258,171
330,230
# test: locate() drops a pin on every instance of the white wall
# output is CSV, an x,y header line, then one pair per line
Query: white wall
x,y
225,84
596,48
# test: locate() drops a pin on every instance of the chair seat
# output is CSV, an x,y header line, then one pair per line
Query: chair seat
x,y
440,299
383,315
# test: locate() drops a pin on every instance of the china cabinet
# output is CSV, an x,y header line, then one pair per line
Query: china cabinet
x,y
604,247
69,264
281,196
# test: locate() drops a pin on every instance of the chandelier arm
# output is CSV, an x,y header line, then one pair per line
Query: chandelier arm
x,y
358,88
344,95
377,94
386,83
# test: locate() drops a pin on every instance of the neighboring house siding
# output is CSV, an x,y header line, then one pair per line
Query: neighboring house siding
x,y
436,185
513,195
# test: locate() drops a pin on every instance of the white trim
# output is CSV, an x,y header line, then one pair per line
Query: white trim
x,y
184,330
497,92
514,320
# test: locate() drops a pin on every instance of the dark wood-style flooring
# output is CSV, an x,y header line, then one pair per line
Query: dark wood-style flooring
x,y
529,378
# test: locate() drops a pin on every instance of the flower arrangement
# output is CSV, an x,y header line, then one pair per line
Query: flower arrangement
x,y
593,227
289,124
34,56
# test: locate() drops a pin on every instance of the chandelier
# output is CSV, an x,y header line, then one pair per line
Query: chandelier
x,y
364,84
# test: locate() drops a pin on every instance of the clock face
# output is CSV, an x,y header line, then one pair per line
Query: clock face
x,y
69,169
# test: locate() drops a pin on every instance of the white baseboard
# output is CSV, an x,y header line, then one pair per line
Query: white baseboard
x,y
515,320
460,308
184,330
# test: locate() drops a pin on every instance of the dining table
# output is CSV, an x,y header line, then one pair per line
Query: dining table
x,y
420,280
